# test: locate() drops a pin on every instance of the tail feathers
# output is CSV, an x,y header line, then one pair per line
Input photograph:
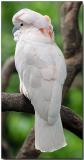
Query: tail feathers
x,y
55,105
48,138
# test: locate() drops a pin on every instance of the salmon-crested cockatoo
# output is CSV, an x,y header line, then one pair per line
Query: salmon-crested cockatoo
x,y
42,72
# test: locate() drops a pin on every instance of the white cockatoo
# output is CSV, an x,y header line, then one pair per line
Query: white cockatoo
x,y
42,72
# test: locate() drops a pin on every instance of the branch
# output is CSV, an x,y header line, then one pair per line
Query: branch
x,y
6,150
7,70
71,41
28,148
70,29
74,66
16,102
70,120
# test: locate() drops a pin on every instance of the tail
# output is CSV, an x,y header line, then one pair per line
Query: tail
x,y
48,138
49,134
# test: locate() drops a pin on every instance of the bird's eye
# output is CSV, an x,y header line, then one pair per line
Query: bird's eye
x,y
21,24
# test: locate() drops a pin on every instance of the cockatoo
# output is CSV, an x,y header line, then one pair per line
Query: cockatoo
x,y
42,71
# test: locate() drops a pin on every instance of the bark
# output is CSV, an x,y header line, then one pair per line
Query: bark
x,y
7,70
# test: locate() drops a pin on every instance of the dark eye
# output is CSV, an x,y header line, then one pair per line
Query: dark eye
x,y
21,24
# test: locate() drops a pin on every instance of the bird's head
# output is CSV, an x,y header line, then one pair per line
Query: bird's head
x,y
26,18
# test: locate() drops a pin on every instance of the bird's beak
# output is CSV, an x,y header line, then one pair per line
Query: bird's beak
x,y
14,29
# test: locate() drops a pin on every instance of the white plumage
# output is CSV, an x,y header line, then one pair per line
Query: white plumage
x,y
42,72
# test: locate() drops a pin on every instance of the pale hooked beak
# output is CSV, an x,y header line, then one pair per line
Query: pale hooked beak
x,y
14,29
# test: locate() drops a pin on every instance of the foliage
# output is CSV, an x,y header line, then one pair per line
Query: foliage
x,y
18,125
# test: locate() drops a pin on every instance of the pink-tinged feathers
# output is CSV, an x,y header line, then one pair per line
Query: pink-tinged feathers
x,y
49,30
43,23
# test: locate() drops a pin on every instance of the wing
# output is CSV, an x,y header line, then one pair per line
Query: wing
x,y
40,75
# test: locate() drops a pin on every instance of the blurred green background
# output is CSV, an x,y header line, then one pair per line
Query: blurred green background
x,y
18,125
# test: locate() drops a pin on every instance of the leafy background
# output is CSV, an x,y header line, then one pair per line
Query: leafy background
x,y
18,125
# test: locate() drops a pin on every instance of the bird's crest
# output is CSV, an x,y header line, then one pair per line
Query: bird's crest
x,y
43,23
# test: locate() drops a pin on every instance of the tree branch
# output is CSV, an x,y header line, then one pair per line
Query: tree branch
x,y
71,41
74,66
7,70
10,103
70,120
70,28
28,148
